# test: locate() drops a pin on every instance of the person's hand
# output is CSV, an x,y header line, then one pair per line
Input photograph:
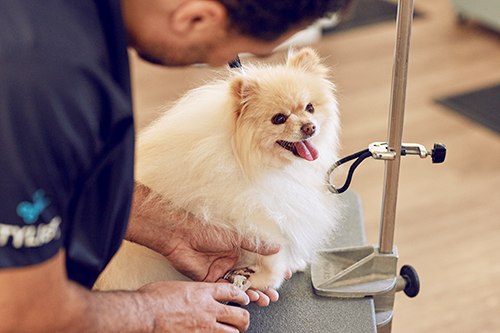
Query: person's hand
x,y
196,307
206,253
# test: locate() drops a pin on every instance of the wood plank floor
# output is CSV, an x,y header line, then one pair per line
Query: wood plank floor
x,y
448,217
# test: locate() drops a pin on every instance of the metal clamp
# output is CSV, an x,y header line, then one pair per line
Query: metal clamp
x,y
382,151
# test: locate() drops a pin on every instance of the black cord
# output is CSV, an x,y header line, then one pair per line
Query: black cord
x,y
360,157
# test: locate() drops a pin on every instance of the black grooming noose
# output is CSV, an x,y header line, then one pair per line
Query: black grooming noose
x,y
438,154
360,156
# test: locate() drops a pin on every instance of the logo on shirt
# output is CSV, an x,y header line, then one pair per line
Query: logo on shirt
x,y
30,211
30,235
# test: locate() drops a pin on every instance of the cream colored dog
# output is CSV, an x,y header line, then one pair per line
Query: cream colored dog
x,y
249,153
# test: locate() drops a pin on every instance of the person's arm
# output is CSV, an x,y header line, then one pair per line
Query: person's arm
x,y
41,299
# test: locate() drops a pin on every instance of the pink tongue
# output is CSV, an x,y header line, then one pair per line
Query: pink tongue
x,y
306,150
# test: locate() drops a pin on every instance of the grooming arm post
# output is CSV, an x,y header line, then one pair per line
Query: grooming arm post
x,y
396,120
370,270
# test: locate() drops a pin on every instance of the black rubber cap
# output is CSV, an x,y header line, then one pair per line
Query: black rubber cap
x,y
410,275
438,153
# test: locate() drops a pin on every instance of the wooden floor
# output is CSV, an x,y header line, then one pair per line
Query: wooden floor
x,y
448,217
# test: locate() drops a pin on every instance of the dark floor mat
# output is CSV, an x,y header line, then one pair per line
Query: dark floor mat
x,y
482,106
368,12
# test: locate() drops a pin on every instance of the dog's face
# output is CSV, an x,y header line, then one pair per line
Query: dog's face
x,y
282,111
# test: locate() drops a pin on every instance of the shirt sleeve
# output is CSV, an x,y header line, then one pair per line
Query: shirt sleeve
x,y
44,147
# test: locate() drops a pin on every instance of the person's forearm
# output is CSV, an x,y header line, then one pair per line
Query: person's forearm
x,y
41,299
152,221
85,311
111,311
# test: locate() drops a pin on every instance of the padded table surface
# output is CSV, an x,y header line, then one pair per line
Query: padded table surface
x,y
300,310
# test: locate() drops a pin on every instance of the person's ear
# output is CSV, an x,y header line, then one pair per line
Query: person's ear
x,y
198,16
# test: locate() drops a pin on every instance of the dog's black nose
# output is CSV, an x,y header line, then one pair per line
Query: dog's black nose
x,y
308,129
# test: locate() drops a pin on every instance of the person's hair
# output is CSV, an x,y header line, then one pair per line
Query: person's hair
x,y
269,19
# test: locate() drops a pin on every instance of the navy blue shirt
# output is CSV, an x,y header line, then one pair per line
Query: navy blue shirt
x,y
66,133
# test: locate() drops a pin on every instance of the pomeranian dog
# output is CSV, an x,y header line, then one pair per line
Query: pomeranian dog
x,y
248,153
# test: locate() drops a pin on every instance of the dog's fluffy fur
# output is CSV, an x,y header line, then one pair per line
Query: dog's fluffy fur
x,y
217,154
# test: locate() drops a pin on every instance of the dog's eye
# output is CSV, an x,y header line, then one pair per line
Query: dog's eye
x,y
310,108
279,118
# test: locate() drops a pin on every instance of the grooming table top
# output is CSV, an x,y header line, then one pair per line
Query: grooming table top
x,y
300,310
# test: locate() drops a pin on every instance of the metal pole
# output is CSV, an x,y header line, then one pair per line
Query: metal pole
x,y
396,119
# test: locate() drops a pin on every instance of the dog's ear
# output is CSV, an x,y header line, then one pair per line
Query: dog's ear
x,y
242,89
306,59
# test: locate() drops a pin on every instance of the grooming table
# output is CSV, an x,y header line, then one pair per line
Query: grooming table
x,y
300,310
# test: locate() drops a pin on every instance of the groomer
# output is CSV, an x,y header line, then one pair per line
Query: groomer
x,y
67,155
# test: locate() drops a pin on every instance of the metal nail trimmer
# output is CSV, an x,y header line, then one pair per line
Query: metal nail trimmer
x,y
370,271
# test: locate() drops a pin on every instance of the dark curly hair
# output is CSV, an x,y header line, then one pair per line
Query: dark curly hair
x,y
269,19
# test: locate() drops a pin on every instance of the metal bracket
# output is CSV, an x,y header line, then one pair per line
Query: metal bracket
x,y
415,149
359,272
382,151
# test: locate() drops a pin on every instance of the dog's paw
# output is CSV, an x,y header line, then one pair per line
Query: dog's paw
x,y
257,277
240,278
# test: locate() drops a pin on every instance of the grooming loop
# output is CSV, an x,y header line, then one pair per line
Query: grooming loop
x,y
381,151
371,271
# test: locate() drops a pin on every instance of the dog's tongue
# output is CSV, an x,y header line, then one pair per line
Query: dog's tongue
x,y
306,150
